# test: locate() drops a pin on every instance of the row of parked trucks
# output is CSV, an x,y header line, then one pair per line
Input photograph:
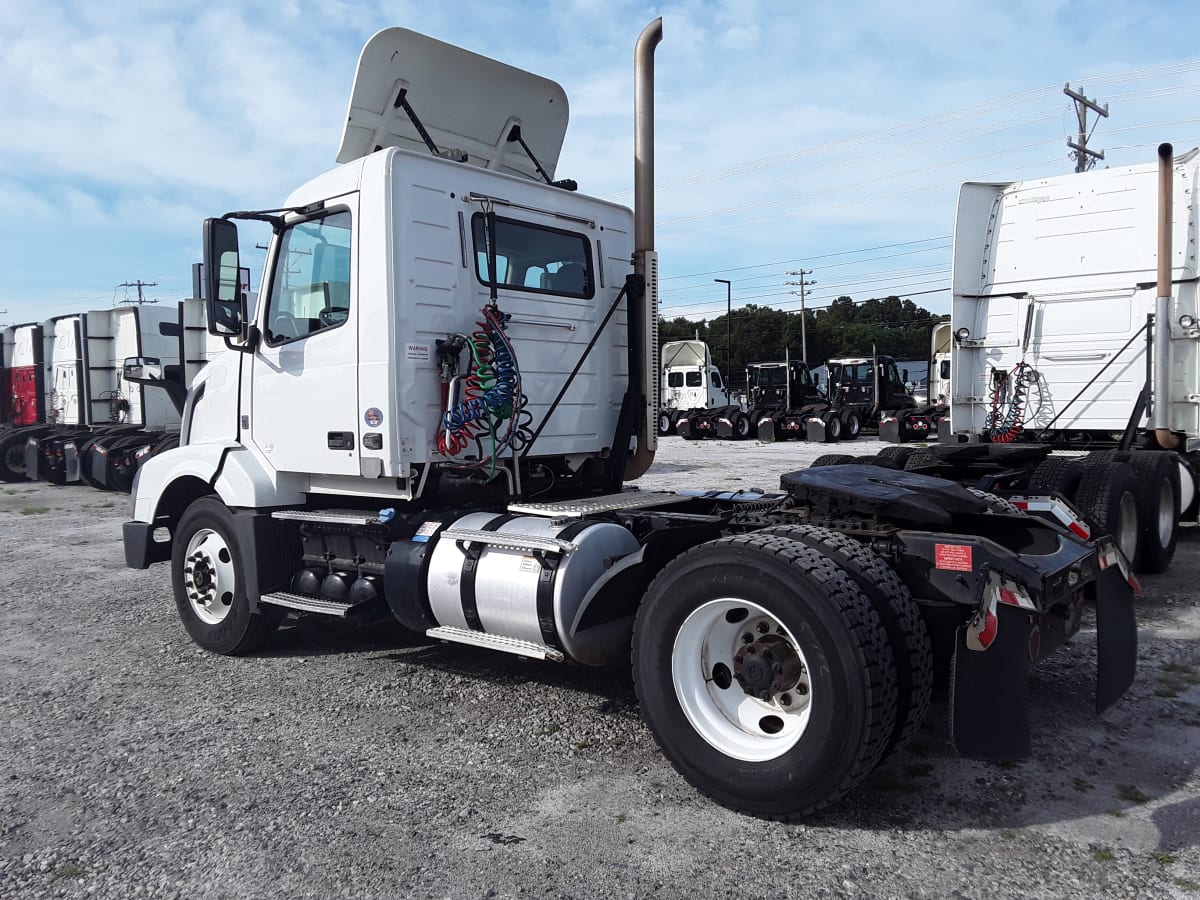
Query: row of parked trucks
x,y
783,401
453,371
70,409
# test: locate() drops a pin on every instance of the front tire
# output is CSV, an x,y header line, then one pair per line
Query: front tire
x,y
208,574
787,722
12,458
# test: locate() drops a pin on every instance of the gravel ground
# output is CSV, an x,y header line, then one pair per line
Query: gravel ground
x,y
371,763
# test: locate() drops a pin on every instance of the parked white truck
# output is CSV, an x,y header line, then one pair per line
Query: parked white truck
x,y
690,381
1076,329
90,413
450,374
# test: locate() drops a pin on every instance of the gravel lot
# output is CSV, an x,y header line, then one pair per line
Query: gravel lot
x,y
371,763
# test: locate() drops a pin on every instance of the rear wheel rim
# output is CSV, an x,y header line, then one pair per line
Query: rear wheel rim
x,y
709,648
1127,524
209,577
1166,512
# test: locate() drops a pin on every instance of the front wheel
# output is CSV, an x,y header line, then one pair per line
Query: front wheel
x,y
664,424
765,675
12,458
208,575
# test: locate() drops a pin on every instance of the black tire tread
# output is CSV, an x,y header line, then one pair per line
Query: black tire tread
x,y
921,459
862,623
906,630
996,505
831,459
1095,492
1056,475
898,455
1148,467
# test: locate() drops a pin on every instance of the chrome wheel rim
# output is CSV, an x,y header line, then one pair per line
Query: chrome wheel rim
x,y
1166,512
749,706
209,577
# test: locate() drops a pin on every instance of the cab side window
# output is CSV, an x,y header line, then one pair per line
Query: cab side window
x,y
310,291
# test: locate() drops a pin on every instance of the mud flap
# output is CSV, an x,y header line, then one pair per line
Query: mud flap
x,y
70,463
766,430
889,430
1116,636
33,456
816,429
989,690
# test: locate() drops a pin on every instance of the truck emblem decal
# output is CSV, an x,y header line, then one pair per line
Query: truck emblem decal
x,y
373,417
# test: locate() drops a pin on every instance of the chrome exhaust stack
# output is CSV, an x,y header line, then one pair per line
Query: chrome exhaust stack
x,y
1160,413
643,312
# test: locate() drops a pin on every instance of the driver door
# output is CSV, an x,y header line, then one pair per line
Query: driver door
x,y
304,393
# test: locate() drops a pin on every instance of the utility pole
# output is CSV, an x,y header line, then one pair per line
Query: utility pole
x,y
802,284
728,343
139,284
1084,158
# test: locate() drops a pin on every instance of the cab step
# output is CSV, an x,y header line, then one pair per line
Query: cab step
x,y
495,642
304,603
507,541
327,516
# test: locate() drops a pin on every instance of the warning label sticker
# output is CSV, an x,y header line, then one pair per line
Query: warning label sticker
x,y
953,557
426,531
419,352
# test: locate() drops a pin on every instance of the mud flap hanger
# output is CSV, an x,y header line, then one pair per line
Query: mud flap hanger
x,y
989,703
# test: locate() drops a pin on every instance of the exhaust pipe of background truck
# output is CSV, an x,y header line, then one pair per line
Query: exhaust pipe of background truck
x,y
643,313
1160,419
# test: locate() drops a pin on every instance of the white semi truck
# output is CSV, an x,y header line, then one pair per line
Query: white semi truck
x,y
450,375
89,412
690,381
1075,366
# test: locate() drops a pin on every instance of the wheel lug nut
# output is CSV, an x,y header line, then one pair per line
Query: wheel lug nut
x,y
738,661
763,627
802,689
747,638
785,699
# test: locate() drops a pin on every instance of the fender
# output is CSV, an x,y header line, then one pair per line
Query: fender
x,y
233,473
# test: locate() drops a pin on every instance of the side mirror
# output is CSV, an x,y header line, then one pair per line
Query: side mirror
x,y
223,297
904,375
142,369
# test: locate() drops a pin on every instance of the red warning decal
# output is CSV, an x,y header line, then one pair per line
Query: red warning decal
x,y
955,557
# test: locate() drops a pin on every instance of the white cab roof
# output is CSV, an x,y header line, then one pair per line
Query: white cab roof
x,y
680,354
465,102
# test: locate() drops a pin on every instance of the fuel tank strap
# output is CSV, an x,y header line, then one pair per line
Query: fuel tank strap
x,y
545,587
470,568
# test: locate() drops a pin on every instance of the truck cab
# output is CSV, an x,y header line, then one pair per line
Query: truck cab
x,y
690,381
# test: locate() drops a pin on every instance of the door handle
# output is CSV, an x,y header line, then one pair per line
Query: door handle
x,y
341,440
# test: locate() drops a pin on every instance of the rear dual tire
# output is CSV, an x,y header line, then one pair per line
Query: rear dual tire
x,y
799,740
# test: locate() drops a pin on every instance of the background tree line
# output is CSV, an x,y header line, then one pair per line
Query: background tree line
x,y
844,328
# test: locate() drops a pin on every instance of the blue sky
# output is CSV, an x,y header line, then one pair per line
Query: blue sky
x,y
828,136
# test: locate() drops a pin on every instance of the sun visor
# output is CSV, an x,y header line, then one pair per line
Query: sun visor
x,y
465,102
